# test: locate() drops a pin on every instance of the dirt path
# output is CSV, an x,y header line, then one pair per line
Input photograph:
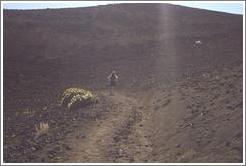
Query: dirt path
x,y
118,137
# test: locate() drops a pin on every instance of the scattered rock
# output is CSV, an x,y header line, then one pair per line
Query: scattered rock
x,y
33,149
177,145
59,158
227,144
141,107
67,147
45,108
50,155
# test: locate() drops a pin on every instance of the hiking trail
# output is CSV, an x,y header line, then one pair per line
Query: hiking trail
x,y
117,137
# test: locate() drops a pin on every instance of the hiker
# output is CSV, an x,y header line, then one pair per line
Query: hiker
x,y
113,78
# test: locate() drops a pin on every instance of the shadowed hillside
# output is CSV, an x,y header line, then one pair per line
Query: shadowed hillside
x,y
173,100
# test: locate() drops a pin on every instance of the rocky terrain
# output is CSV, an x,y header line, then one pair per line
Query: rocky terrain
x,y
176,101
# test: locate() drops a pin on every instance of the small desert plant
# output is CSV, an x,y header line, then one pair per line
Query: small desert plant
x,y
74,98
41,128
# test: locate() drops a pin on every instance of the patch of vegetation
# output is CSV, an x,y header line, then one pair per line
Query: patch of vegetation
x,y
41,128
74,98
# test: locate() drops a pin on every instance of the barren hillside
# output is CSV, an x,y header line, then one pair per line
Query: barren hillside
x,y
175,102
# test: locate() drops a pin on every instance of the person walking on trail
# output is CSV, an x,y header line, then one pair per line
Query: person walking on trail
x,y
112,78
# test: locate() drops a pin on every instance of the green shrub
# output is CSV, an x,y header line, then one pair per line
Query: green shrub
x,y
74,98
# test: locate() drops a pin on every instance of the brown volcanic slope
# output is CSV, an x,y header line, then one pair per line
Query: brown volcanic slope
x,y
175,102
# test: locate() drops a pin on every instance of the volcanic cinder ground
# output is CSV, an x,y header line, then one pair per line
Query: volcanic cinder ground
x,y
176,101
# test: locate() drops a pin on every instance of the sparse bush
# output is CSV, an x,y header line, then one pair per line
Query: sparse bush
x,y
74,98
41,128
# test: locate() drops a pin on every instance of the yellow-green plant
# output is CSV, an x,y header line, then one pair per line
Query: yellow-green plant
x,y
41,128
73,98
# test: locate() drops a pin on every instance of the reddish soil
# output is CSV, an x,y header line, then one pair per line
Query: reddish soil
x,y
175,101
